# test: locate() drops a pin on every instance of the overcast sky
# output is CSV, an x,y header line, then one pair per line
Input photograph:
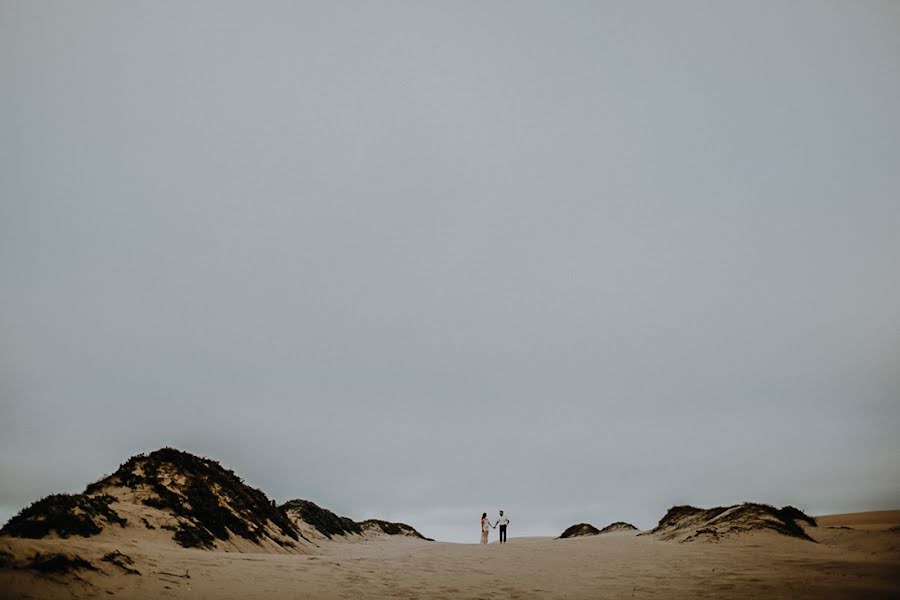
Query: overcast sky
x,y
420,260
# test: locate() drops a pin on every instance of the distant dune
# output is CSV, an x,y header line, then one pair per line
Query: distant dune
x,y
618,526
316,521
585,529
579,530
687,523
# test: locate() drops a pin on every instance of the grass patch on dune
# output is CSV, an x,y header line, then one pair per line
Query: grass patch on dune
x,y
58,563
123,561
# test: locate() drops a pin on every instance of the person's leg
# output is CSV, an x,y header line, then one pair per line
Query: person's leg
x,y
502,534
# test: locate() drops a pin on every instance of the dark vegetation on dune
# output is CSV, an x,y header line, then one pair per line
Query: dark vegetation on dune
x,y
584,529
329,524
58,563
794,514
212,501
194,536
207,501
579,530
66,514
123,561
691,523
326,522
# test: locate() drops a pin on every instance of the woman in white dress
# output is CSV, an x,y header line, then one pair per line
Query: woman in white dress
x,y
485,528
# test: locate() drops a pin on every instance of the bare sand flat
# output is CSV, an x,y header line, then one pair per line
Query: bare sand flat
x,y
872,520
842,564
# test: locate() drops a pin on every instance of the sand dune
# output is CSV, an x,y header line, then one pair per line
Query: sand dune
x,y
317,523
579,530
843,564
170,497
121,539
688,523
584,529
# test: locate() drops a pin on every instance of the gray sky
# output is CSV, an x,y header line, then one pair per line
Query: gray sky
x,y
421,260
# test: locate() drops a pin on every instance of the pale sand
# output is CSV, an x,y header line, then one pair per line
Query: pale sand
x,y
844,564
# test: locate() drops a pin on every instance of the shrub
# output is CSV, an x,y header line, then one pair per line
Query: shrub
x,y
66,514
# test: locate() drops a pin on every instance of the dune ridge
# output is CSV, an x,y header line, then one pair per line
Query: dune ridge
x,y
579,530
305,513
618,526
194,501
586,529
688,523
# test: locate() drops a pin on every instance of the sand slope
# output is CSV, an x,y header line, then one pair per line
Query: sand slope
x,y
873,520
843,564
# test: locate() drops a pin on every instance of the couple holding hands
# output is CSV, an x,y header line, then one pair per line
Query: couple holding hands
x,y
486,526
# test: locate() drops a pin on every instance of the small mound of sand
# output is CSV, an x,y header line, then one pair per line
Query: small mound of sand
x,y
579,530
618,526
688,523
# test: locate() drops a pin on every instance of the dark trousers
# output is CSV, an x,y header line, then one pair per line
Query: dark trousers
x,y
502,533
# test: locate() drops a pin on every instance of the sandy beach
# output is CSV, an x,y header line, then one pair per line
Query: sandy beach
x,y
843,563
